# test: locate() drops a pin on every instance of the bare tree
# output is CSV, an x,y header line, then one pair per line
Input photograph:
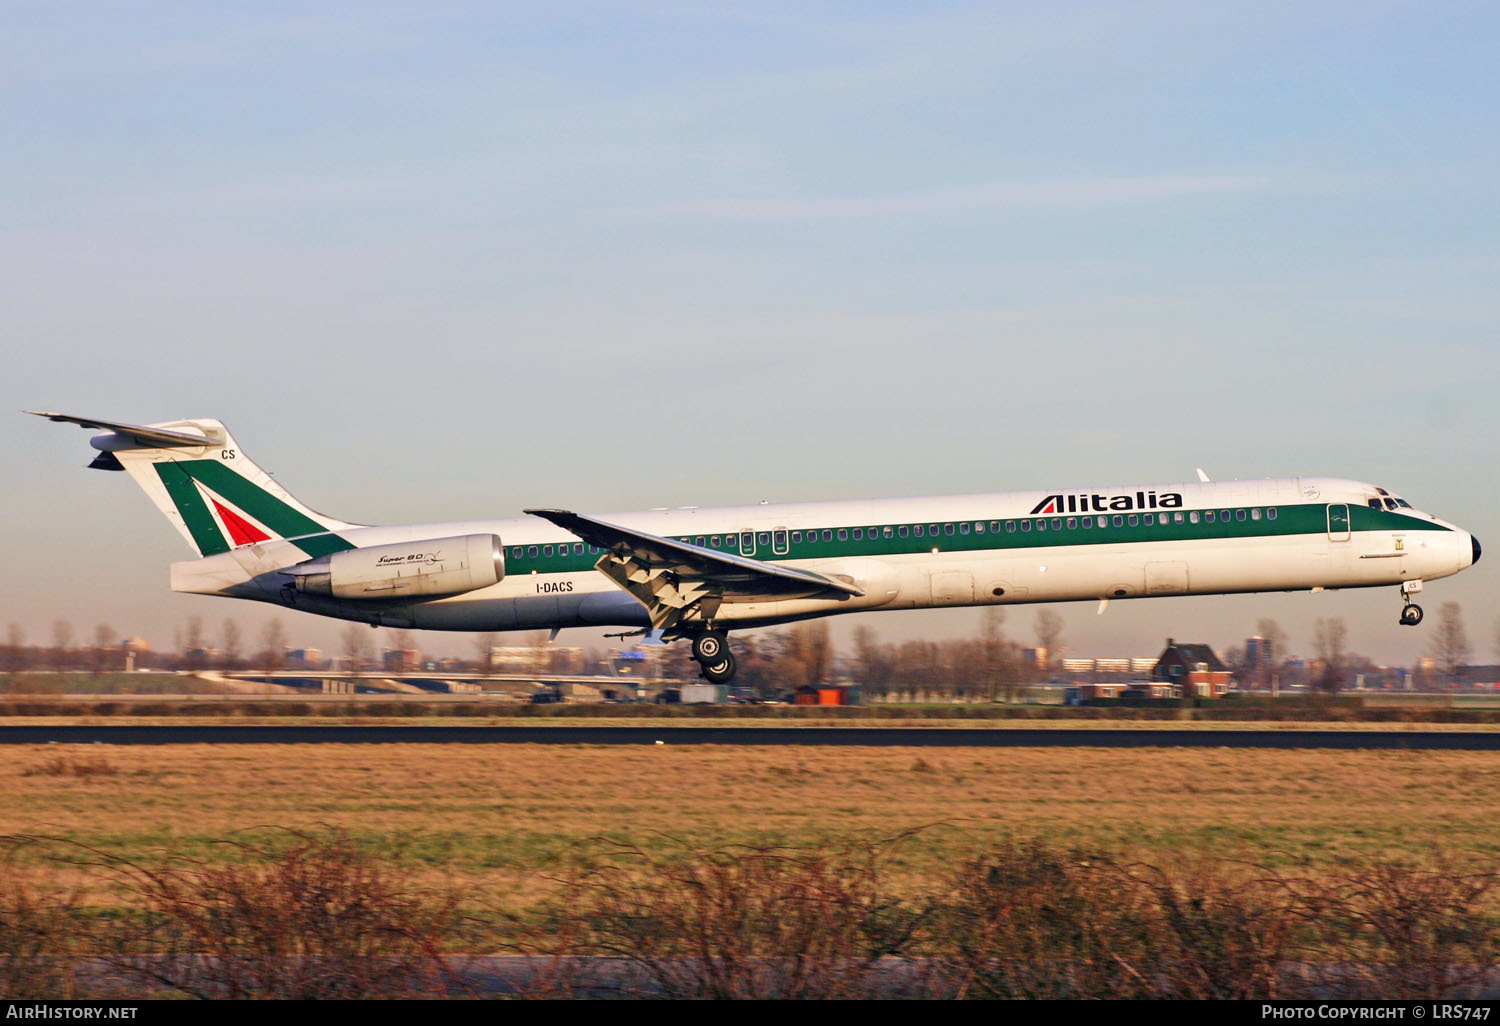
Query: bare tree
x,y
356,647
273,646
193,654
104,636
1449,646
1330,638
1049,625
232,643
15,649
1002,661
484,648
873,662
808,651
62,640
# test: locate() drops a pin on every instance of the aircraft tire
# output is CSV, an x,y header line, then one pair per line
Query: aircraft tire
x,y
1411,615
721,672
710,648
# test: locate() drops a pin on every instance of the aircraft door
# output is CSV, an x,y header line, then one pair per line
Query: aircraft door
x,y
747,543
1338,522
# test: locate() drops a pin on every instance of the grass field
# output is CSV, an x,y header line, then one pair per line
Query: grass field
x,y
1010,872
493,819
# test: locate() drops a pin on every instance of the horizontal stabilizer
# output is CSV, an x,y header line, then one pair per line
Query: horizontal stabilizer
x,y
150,437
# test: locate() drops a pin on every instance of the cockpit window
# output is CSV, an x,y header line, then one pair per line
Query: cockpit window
x,y
1390,504
1403,504
1374,503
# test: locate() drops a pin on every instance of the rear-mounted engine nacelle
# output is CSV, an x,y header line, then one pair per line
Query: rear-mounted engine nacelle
x,y
430,566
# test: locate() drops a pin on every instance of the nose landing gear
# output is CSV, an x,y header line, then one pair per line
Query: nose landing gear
x,y
1411,613
711,649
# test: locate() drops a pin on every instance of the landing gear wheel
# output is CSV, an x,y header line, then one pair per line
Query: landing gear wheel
x,y
721,672
710,648
1411,615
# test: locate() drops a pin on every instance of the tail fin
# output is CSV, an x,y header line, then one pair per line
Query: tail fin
x,y
215,495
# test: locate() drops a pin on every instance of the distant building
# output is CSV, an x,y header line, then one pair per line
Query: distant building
x,y
1194,668
400,660
1116,670
1035,658
1259,657
303,658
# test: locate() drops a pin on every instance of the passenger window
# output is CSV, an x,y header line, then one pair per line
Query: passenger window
x,y
995,526
859,534
1176,518
1025,526
963,528
828,536
1271,513
843,534
919,529
1255,514
796,537
1119,520
1072,523
1193,516
932,529
947,528
531,552
1010,527
546,550
886,533
1224,514
903,530
764,538
1041,525
1209,516
1088,523
714,541
979,527
1057,523
1134,520
516,552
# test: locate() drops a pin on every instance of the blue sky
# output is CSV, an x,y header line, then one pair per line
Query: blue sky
x,y
435,260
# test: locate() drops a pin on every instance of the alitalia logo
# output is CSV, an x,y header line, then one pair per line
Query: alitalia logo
x,y
1096,503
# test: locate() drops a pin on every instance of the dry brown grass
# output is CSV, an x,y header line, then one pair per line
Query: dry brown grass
x,y
491,818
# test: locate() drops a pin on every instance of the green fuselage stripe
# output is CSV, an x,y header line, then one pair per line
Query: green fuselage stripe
x,y
1289,520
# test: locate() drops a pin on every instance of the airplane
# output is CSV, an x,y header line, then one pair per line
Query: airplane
x,y
697,573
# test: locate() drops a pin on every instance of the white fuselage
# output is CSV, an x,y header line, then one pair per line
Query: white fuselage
x,y
999,548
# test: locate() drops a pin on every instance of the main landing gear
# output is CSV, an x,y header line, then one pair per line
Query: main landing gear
x,y
1411,613
711,649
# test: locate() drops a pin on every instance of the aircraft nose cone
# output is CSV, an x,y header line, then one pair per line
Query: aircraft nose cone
x,y
1475,542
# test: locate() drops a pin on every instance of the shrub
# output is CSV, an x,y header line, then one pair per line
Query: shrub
x,y
319,920
746,922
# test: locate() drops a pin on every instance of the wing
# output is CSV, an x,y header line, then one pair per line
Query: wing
x,y
676,580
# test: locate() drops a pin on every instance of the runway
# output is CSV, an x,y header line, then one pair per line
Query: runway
x,y
919,737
